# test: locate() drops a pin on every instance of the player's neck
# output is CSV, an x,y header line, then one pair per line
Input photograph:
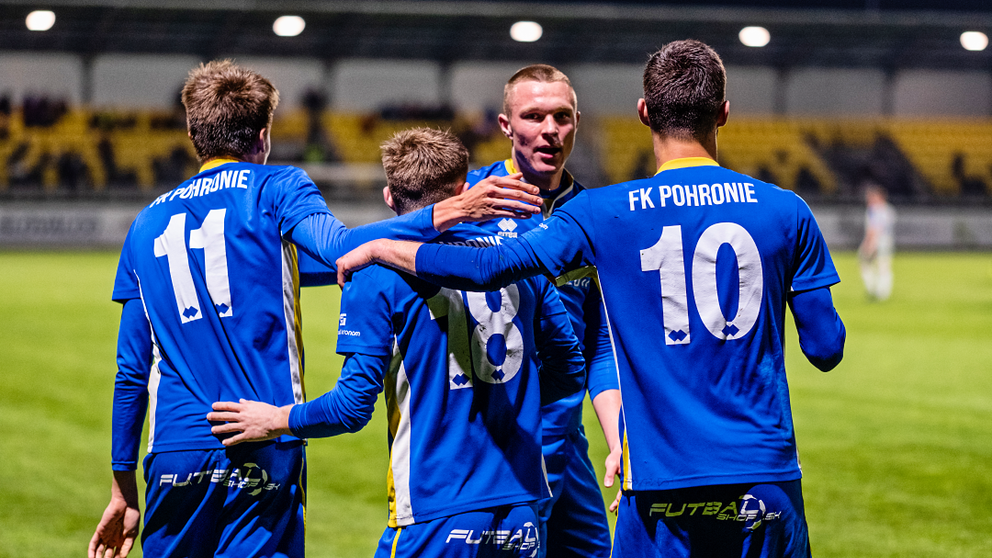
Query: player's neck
x,y
668,148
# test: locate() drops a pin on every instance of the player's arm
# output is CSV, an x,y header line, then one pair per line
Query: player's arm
x,y
558,245
604,387
346,408
563,369
821,331
118,528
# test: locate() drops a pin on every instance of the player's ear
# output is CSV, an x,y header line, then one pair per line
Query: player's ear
x,y
504,125
461,189
387,196
721,120
642,112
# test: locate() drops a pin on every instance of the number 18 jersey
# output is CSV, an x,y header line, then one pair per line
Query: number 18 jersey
x,y
696,264
220,288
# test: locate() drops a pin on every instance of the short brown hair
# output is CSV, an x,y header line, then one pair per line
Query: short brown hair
x,y
226,108
685,85
423,166
541,73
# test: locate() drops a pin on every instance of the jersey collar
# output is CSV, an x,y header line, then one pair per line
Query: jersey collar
x,y
688,162
214,163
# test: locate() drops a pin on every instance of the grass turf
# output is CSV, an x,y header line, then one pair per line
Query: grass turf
x,y
895,443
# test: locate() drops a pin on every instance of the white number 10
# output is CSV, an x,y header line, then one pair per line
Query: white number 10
x,y
666,258
209,238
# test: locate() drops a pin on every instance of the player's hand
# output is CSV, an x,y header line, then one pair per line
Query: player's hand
x,y
118,528
356,260
614,463
492,197
252,420
399,255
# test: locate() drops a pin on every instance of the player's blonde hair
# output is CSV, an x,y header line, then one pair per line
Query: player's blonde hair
x,y
541,73
227,106
423,166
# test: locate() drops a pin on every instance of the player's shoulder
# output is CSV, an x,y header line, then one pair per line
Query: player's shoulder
x,y
498,168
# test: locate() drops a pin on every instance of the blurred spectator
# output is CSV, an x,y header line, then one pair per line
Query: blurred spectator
x,y
42,111
72,171
174,168
318,148
968,185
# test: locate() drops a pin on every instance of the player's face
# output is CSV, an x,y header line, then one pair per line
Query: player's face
x,y
541,125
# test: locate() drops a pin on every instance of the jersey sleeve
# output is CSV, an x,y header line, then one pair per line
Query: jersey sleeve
x,y
813,267
346,408
125,282
598,349
325,239
562,366
365,325
562,243
294,197
134,348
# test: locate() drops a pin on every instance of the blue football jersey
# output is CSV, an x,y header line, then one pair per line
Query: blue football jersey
x,y
696,265
580,296
464,386
220,290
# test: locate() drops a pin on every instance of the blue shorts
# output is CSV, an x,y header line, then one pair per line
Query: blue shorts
x,y
241,502
504,531
573,520
746,520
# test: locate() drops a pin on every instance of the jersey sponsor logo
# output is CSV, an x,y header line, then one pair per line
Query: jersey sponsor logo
x,y
751,511
581,283
343,320
507,225
251,477
521,540
349,333
223,180
691,195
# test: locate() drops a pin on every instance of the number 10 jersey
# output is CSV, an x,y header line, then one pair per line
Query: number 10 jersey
x,y
696,266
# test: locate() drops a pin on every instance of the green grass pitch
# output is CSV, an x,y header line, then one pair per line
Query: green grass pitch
x,y
896,443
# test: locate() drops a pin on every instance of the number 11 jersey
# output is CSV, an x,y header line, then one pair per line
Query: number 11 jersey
x,y
696,265
220,289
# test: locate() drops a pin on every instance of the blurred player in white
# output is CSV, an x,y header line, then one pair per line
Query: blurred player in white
x,y
875,252
540,117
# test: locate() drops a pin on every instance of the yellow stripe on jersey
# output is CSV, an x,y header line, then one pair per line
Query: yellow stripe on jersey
x,y
627,480
391,496
214,163
510,167
688,162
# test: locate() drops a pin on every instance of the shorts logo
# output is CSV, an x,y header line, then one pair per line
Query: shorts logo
x,y
751,511
250,477
522,540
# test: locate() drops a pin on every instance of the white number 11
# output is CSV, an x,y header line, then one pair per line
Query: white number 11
x,y
209,238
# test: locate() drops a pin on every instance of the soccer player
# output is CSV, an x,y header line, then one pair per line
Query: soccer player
x,y
540,117
465,374
698,266
209,287
875,251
